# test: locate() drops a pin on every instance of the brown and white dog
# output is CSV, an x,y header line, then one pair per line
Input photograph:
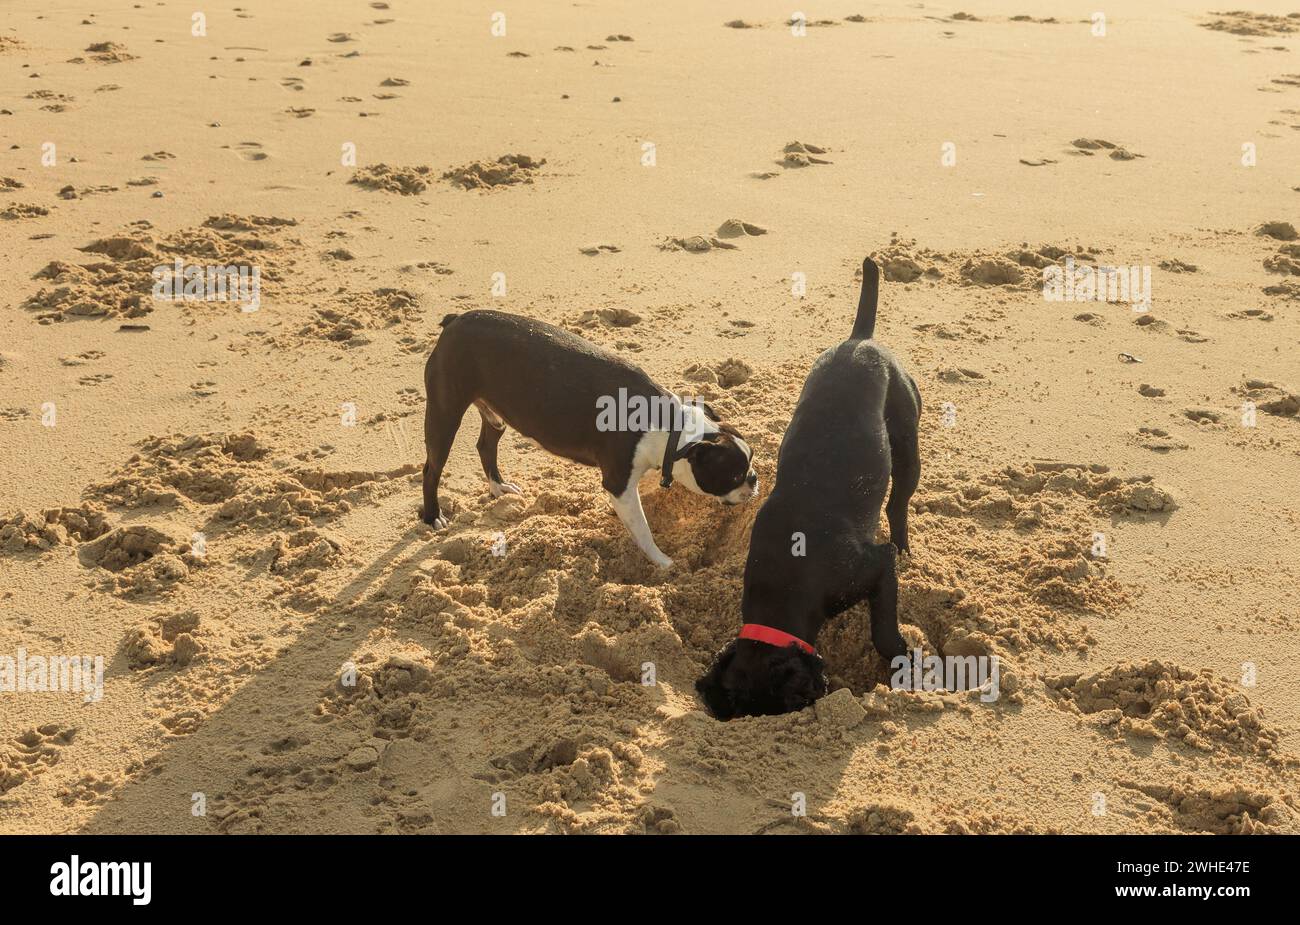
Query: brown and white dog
x,y
569,396
813,550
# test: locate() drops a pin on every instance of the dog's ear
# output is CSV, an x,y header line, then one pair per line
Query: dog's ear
x,y
718,700
694,447
708,410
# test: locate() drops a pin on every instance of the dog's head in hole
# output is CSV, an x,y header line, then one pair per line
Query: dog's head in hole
x,y
717,461
752,678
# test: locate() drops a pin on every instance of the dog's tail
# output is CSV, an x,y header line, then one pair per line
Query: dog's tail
x,y
865,324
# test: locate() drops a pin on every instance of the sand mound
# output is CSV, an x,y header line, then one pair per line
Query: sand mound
x,y
107,53
232,476
904,261
17,211
1159,700
407,181
507,170
358,312
55,527
168,640
1241,22
123,285
1286,260
1227,808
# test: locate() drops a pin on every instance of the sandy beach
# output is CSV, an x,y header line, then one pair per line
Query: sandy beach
x,y
218,497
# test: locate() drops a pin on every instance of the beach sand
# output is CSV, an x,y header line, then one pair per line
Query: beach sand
x,y
222,502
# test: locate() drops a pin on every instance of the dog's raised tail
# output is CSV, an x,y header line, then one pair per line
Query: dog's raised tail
x,y
865,324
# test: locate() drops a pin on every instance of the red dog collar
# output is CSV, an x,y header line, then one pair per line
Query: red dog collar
x,y
773,637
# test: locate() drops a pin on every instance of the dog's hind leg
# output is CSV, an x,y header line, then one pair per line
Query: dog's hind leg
x,y
905,452
489,436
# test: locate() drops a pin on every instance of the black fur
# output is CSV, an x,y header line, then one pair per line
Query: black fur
x,y
761,680
864,326
853,429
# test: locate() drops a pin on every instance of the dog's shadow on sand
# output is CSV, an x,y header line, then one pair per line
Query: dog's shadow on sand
x,y
249,763
222,753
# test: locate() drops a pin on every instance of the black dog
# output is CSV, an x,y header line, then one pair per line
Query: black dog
x,y
813,550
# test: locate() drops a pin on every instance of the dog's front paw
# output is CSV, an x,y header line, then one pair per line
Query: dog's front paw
x,y
662,561
891,646
438,522
497,489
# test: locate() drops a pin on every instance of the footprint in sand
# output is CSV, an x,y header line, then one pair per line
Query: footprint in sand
x,y
1087,147
739,328
81,359
1251,314
962,376
608,317
1157,440
249,150
735,228
1280,231
292,83
1149,322
798,154
695,244
1202,416
730,373
1270,398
